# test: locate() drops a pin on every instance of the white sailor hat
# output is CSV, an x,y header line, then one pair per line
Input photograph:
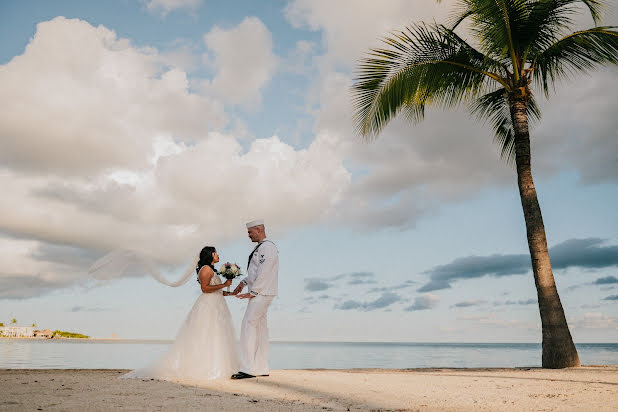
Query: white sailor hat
x,y
256,222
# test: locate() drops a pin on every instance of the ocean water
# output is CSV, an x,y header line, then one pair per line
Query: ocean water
x,y
131,354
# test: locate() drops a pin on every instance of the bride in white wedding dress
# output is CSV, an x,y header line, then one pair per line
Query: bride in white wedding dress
x,y
205,347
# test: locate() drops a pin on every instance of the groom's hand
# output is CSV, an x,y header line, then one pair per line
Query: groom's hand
x,y
239,288
245,296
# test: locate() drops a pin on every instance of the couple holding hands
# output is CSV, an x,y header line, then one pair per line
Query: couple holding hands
x,y
205,347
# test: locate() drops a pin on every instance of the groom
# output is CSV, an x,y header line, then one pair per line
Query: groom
x,y
262,274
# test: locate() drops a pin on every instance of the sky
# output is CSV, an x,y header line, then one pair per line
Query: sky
x,y
162,126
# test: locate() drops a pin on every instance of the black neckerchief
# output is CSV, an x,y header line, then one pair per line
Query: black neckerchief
x,y
254,250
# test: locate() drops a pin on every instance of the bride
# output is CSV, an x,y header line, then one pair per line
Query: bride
x,y
205,347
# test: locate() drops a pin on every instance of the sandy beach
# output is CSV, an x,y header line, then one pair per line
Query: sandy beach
x,y
587,388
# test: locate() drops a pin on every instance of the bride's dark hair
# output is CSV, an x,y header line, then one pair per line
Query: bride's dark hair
x,y
206,258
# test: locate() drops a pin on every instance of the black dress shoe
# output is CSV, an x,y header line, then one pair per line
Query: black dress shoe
x,y
242,375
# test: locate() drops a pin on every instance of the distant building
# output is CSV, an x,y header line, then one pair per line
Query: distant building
x,y
17,332
46,333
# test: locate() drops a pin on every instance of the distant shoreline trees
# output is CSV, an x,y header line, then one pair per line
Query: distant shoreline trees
x,y
54,334
65,334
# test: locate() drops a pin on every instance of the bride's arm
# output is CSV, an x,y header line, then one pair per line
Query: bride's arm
x,y
205,276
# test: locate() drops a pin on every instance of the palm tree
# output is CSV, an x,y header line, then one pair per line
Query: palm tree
x,y
519,44
13,321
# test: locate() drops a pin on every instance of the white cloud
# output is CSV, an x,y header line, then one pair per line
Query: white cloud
x,y
410,169
271,180
424,302
413,169
163,7
349,27
13,251
197,195
25,272
469,303
492,320
83,100
579,128
300,59
103,147
203,192
244,61
595,320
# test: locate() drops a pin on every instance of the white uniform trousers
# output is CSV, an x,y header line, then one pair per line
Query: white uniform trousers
x,y
254,336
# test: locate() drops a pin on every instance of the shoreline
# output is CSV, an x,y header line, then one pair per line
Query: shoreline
x,y
426,389
171,340
89,339
395,343
40,338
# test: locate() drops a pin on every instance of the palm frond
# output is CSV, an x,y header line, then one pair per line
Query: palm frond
x,y
577,52
544,25
513,31
494,23
493,108
595,8
467,8
461,12
548,20
422,65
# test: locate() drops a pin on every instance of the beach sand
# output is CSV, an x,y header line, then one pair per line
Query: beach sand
x,y
589,388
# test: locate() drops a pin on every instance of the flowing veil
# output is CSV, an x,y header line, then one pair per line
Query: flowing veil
x,y
205,347
113,265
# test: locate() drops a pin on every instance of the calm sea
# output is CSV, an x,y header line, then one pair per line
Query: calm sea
x,y
124,354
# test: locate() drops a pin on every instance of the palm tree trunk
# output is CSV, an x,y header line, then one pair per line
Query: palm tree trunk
x,y
558,348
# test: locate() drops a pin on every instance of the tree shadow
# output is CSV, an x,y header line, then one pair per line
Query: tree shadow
x,y
445,372
320,397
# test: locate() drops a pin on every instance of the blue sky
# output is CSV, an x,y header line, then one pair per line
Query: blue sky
x,y
162,126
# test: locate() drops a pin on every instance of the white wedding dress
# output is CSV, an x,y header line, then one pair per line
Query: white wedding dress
x,y
205,347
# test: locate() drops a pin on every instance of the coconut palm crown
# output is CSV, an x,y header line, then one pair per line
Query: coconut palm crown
x,y
519,44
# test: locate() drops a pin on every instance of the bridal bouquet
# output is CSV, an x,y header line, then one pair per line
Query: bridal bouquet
x,y
229,271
